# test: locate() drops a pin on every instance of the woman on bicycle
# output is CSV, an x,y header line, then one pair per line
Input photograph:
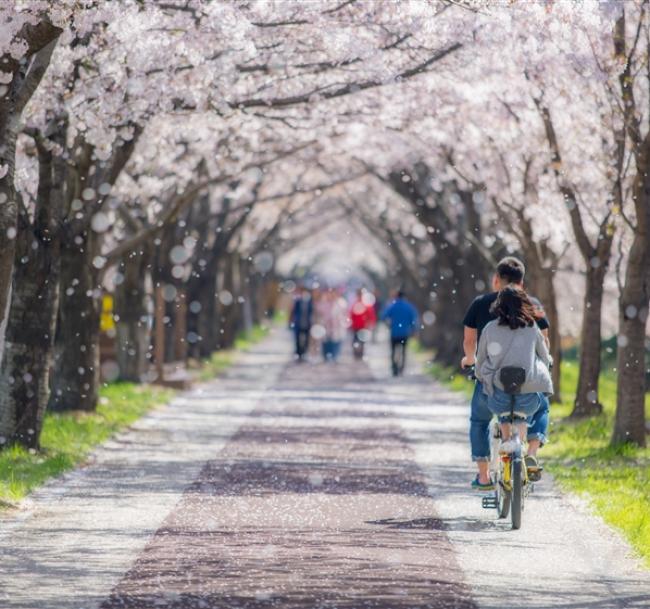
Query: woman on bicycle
x,y
514,339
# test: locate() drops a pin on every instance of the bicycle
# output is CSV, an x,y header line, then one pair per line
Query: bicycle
x,y
507,467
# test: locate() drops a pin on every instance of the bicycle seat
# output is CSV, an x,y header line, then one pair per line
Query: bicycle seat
x,y
512,378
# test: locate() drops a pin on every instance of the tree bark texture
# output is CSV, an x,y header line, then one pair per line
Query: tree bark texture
x,y
25,371
229,313
586,401
75,384
40,39
133,332
629,424
207,322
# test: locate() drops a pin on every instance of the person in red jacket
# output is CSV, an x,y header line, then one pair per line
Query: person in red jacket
x,y
362,319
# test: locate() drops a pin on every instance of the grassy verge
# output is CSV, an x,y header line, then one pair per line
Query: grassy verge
x,y
614,480
451,378
220,360
68,438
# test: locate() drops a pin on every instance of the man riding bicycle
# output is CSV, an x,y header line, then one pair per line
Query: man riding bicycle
x,y
509,272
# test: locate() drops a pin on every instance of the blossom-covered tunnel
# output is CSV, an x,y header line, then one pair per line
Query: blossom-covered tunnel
x,y
173,173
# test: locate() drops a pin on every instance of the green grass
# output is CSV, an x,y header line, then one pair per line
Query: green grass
x,y
614,480
451,378
68,438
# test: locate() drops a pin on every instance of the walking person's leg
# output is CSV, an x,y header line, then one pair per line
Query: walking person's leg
x,y
336,349
402,362
393,356
301,343
298,343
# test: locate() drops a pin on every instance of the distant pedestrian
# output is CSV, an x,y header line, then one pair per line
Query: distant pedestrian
x,y
316,332
377,306
300,321
402,317
362,320
332,314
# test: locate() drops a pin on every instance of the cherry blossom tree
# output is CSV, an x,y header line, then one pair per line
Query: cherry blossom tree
x,y
185,146
28,34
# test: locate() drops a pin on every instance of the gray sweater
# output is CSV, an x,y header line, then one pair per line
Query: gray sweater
x,y
525,347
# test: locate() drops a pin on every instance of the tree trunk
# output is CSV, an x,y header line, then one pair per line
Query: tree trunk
x,y
75,383
246,291
629,424
586,402
40,39
207,322
24,375
8,220
180,327
228,312
455,289
132,327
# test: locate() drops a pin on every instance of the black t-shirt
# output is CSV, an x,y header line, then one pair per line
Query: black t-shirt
x,y
479,315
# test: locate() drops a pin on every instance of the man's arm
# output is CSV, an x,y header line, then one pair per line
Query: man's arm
x,y
469,346
542,321
481,353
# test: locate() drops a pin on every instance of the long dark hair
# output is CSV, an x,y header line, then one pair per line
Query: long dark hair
x,y
513,308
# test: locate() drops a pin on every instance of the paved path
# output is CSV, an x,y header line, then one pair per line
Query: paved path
x,y
300,486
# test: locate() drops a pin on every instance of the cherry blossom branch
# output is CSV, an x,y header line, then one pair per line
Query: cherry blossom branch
x,y
567,191
324,186
182,200
343,90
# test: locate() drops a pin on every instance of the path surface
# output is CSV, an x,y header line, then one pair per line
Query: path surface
x,y
299,486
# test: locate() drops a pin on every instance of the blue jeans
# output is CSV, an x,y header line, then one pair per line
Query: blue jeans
x,y
526,404
331,349
481,415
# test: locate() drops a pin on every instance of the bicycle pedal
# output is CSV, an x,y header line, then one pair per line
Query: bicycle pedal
x,y
489,502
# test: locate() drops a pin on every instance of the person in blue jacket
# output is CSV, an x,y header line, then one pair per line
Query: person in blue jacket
x,y
402,317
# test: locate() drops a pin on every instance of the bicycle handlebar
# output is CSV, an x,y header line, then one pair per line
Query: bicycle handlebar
x,y
469,372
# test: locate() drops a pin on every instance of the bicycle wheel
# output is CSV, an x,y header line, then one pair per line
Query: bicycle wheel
x,y
517,493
